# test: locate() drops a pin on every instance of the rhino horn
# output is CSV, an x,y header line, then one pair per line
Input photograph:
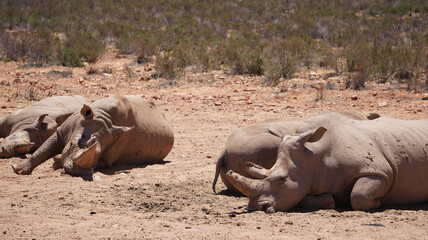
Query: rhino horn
x,y
249,187
118,130
86,159
25,147
86,112
256,170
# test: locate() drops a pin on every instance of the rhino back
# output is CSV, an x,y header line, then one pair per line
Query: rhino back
x,y
57,108
150,140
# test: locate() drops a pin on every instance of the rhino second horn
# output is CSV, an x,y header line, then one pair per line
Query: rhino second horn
x,y
256,170
87,157
249,187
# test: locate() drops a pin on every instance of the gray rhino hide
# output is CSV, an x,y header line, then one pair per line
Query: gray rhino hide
x,y
119,130
26,129
363,164
259,144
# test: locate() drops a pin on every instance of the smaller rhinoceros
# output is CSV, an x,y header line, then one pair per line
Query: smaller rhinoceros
x,y
26,129
120,130
258,144
364,164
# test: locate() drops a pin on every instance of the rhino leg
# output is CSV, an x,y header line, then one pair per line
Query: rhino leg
x,y
49,149
367,192
58,163
322,201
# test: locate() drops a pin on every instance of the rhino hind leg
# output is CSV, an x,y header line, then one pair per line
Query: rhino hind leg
x,y
322,201
367,192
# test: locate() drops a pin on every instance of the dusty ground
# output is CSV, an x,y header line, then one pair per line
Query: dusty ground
x,y
174,200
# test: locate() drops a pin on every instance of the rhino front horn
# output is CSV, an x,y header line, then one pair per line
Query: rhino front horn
x,y
87,157
249,187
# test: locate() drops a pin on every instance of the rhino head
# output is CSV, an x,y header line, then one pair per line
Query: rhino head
x,y
27,138
287,183
90,136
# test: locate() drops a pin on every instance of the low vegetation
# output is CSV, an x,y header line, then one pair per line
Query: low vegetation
x,y
377,39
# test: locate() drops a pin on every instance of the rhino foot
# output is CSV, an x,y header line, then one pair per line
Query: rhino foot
x,y
58,163
23,168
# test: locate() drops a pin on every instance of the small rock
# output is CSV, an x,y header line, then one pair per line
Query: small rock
x,y
372,116
93,212
383,104
217,103
425,98
374,94
354,97
209,156
259,227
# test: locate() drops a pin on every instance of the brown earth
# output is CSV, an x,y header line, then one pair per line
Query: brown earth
x,y
174,200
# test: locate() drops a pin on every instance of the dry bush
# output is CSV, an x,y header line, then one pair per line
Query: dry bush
x,y
35,48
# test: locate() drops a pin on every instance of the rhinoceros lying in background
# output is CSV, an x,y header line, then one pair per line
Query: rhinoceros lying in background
x,y
259,144
26,129
116,130
360,163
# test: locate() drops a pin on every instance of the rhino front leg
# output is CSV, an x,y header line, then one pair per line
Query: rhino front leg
x,y
367,192
322,201
49,149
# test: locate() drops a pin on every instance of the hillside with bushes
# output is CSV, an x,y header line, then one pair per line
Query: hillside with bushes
x,y
367,40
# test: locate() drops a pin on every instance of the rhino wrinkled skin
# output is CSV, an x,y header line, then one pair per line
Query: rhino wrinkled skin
x,y
26,129
364,164
258,143
120,130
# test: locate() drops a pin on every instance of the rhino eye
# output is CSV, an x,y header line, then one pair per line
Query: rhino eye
x,y
282,179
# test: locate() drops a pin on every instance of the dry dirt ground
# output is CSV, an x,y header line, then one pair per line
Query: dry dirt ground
x,y
174,200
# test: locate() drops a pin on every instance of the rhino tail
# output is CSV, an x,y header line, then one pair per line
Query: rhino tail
x,y
220,163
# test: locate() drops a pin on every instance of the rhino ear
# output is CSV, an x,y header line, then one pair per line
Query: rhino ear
x,y
311,136
275,132
118,130
86,112
38,123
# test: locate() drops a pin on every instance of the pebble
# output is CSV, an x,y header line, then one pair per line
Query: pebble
x,y
383,104
354,97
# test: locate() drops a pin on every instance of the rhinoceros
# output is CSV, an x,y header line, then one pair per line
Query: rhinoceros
x,y
362,164
258,143
119,130
26,129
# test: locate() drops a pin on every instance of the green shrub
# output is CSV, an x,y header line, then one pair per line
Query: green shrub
x,y
68,57
166,65
88,46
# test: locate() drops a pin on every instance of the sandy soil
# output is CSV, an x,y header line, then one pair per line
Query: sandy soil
x,y
174,200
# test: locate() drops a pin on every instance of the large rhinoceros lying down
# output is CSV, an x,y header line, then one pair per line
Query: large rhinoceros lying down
x,y
116,130
259,144
26,129
360,163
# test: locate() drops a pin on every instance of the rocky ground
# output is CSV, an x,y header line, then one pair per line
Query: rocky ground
x,y
174,200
